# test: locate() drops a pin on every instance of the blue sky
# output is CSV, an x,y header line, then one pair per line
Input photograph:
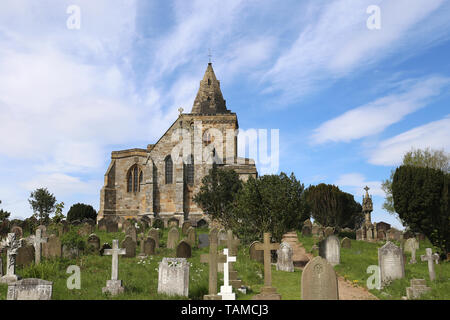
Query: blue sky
x,y
348,101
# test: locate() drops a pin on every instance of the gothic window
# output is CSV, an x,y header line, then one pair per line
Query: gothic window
x,y
169,169
134,179
209,82
190,171
207,138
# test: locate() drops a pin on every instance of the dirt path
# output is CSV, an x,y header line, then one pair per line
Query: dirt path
x,y
347,291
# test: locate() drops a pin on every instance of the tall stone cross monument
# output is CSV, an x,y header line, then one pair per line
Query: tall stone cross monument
x,y
232,245
12,245
38,241
267,292
431,258
226,291
213,258
114,286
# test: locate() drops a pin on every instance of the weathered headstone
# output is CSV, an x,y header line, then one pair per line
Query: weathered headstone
x,y
203,240
25,255
30,289
330,249
267,291
44,230
418,287
431,258
328,231
173,223
131,231
381,235
256,255
18,231
359,234
191,236
111,226
39,239
12,245
102,224
284,261
213,258
319,281
222,235
186,225
130,247
184,250
53,247
86,229
411,246
114,286
94,242
346,243
173,238
149,246
173,276
154,234
390,260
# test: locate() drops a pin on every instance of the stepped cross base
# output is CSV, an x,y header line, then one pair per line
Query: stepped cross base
x,y
226,293
114,287
212,297
267,293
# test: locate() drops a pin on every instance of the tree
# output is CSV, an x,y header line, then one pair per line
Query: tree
x,y
4,214
43,203
217,194
81,211
271,203
332,207
421,199
59,216
436,159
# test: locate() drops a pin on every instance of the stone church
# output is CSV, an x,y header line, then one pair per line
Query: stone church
x,y
161,180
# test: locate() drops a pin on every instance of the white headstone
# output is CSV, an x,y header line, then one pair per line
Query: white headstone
x,y
284,258
330,249
390,261
226,291
12,245
173,276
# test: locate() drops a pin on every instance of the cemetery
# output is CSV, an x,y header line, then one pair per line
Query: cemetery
x,y
113,266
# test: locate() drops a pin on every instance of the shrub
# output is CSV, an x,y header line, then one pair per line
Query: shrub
x,y
81,211
73,240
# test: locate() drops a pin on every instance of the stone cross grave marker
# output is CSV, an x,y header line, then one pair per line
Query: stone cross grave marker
x,y
232,244
226,290
38,241
213,258
12,245
431,258
284,258
390,260
173,276
267,292
114,286
319,281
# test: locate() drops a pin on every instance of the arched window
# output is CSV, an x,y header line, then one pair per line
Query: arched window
x,y
134,179
169,169
190,170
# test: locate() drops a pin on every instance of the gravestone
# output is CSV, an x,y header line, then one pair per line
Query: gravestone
x,y
131,231
346,243
226,291
359,234
173,223
256,255
173,238
328,231
44,230
30,289
185,227
330,249
114,286
173,277
130,247
102,224
94,242
393,234
431,258
319,281
25,255
213,258
12,245
184,250
418,287
149,246
53,247
154,234
411,246
111,226
222,235
69,252
284,261
306,231
191,236
390,260
39,239
86,229
104,247
203,240
381,235
18,231
267,291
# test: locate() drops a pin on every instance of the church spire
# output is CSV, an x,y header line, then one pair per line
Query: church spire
x,y
209,98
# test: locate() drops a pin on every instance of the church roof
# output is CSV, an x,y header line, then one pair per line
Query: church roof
x,y
209,98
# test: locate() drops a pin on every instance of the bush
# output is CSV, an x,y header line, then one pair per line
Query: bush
x,y
81,211
73,240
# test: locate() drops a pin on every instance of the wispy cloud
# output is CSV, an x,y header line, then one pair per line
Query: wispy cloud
x,y
377,115
355,182
435,135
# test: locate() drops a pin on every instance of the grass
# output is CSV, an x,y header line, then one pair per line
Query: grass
x,y
140,277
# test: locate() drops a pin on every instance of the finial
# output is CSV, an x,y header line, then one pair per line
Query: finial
x,y
180,110
367,190
209,55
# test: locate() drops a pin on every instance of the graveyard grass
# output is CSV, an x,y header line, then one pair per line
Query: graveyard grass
x,y
140,277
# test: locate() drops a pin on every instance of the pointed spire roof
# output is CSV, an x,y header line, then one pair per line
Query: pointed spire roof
x,y
209,98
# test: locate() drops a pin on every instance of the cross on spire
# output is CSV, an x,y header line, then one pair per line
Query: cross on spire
x,y
209,55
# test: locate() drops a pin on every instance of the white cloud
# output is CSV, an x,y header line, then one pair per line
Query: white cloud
x,y
356,183
435,135
376,116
